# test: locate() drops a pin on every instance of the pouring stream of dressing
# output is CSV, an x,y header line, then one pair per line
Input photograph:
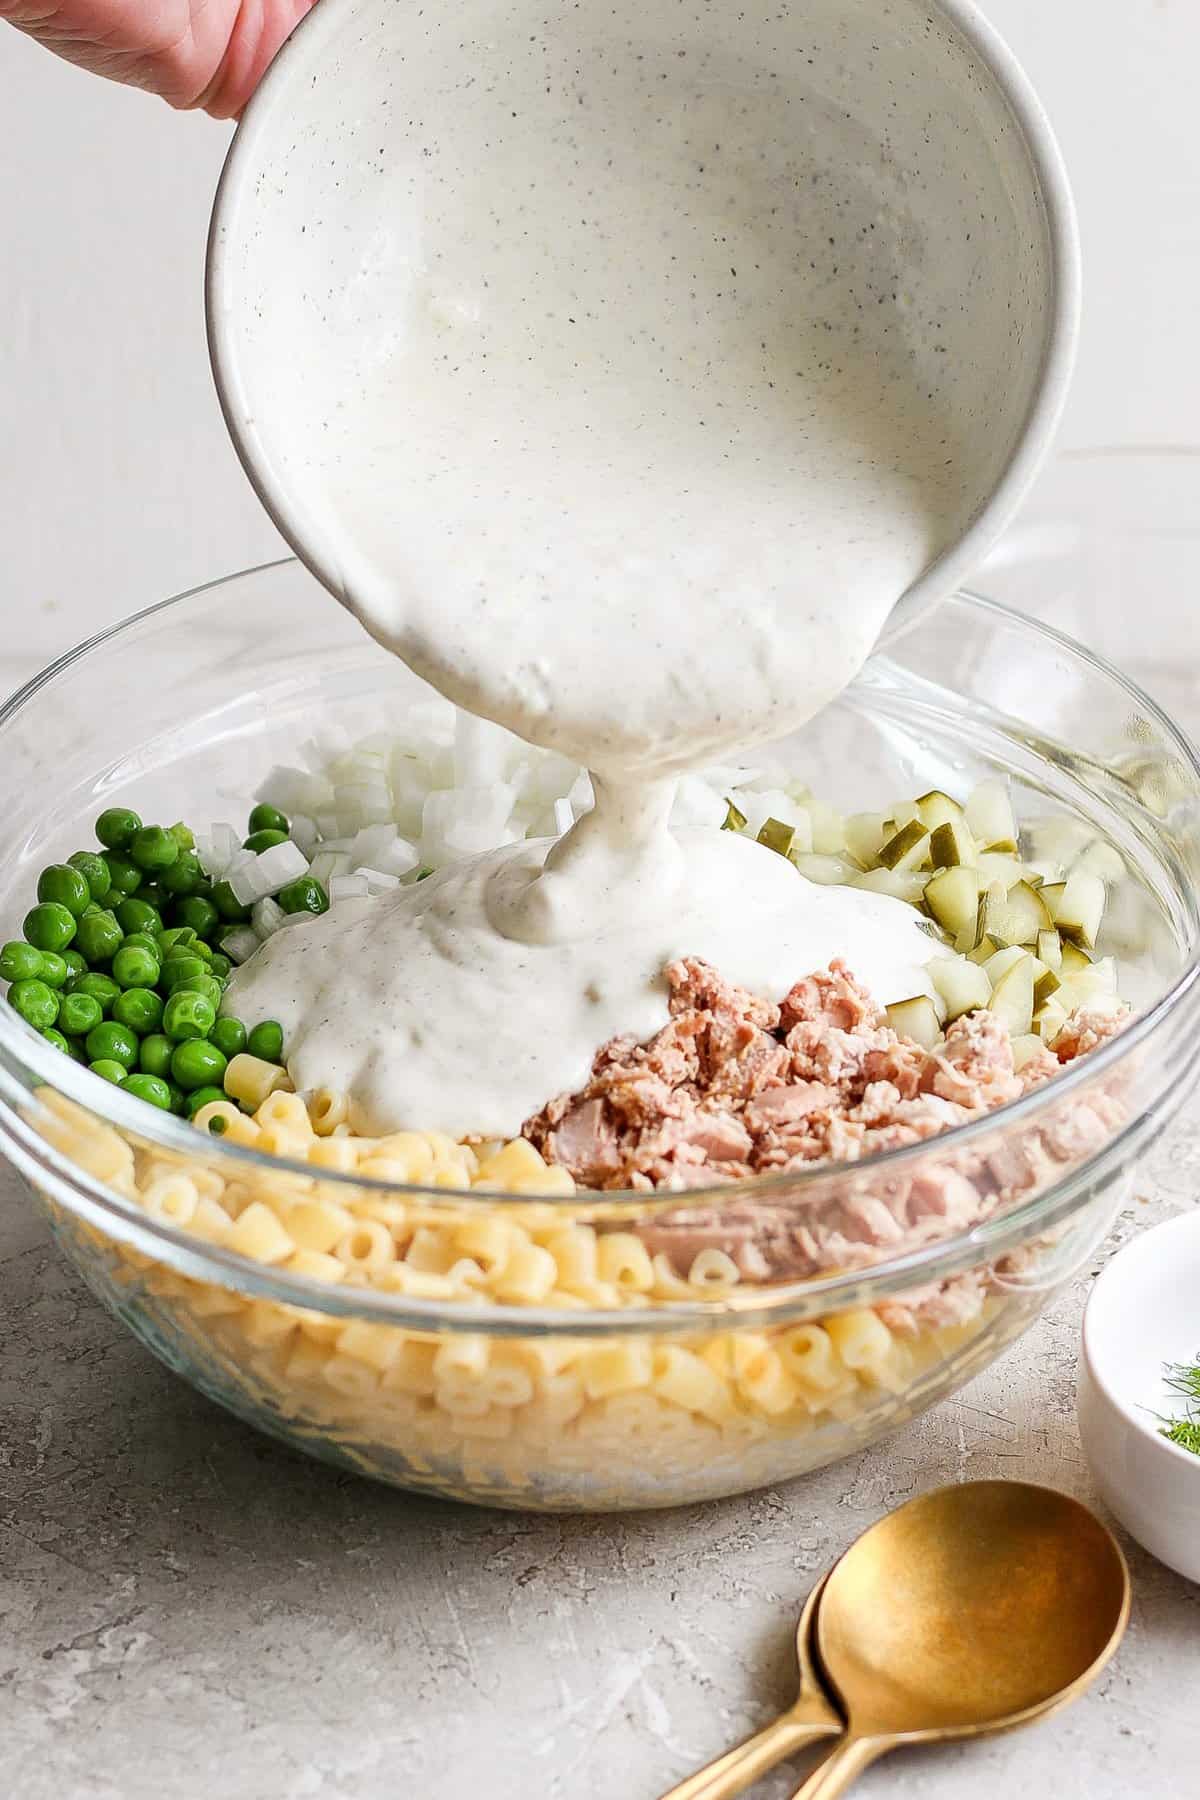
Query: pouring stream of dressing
x,y
629,482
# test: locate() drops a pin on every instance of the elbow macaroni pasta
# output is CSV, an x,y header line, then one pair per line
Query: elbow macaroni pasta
x,y
638,1418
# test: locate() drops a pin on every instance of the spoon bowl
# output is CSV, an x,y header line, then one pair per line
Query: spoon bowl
x,y
971,1610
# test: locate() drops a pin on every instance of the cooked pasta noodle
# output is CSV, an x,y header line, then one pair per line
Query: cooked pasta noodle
x,y
498,1411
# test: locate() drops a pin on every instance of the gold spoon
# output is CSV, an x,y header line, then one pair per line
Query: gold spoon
x,y
810,1717
972,1609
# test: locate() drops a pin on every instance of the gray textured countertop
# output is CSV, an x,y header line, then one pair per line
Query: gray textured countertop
x,y
188,1610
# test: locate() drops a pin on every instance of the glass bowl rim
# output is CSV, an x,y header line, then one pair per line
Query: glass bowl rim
x,y
24,1053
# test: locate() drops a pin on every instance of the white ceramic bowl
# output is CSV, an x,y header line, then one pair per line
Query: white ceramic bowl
x,y
1143,1313
352,162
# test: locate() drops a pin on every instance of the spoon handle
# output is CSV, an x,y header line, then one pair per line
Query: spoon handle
x,y
844,1764
808,1721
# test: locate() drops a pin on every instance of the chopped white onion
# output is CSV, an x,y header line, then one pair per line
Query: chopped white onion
x,y
304,834
347,887
266,917
279,865
240,943
377,882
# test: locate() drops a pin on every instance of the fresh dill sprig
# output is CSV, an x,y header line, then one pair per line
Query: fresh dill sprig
x,y
1184,1432
1184,1379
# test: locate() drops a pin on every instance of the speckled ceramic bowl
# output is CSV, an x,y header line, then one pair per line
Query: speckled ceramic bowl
x,y
565,1403
956,235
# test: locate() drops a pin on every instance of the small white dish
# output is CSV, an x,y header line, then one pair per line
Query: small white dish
x,y
1144,1312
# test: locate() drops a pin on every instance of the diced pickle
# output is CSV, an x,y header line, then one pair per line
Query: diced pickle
x,y
1003,961
735,819
1079,908
990,816
1049,949
917,1019
1014,915
1012,997
952,898
984,950
962,985
902,884
777,836
936,808
951,845
864,836
1074,957
907,849
827,871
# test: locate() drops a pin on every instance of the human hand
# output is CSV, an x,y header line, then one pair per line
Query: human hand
x,y
209,54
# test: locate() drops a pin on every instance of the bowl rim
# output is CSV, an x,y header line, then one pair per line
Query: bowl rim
x,y
1132,1416
951,567
24,1054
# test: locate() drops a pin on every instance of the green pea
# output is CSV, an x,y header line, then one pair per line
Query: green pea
x,y
109,1070
135,967
147,941
126,876
228,904
111,1042
183,834
154,848
178,1098
202,1096
184,876
136,915
54,968
179,968
258,841
199,913
229,1036
268,818
221,967
154,1054
94,870
203,985
266,1040
75,964
178,937
56,1038
20,961
117,827
102,988
64,886
49,925
219,1125
37,1004
99,936
197,1063
186,1016
149,1087
79,1014
305,894
139,1008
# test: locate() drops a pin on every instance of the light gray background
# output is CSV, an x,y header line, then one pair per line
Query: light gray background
x,y
186,1610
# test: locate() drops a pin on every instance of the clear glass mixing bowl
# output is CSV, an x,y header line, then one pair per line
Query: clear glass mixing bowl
x,y
530,1392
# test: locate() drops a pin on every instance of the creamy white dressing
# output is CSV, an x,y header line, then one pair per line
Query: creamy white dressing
x,y
427,1014
631,481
